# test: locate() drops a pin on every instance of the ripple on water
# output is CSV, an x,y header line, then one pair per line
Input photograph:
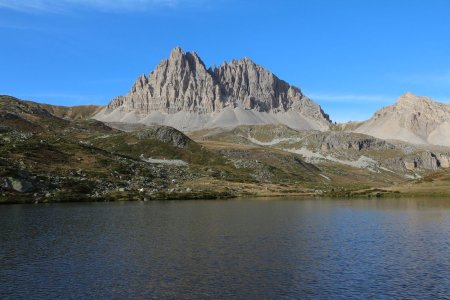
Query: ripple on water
x,y
227,249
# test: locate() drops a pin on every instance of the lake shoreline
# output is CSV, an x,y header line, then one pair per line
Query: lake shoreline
x,y
162,196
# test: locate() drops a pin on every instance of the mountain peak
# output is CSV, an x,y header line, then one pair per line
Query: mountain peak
x,y
243,61
176,53
179,57
408,95
182,92
411,99
414,119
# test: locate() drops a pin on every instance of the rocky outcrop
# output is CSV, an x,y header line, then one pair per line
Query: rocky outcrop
x,y
444,160
338,140
164,134
181,92
244,83
412,119
19,185
404,159
180,83
417,162
346,141
20,182
427,160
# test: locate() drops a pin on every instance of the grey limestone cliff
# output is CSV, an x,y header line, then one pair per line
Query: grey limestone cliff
x,y
236,92
180,83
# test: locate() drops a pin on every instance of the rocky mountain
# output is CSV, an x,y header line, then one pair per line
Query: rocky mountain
x,y
413,119
181,92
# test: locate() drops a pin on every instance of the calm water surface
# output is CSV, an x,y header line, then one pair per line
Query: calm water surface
x,y
260,249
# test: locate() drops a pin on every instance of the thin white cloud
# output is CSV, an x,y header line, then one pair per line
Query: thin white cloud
x,y
351,98
58,6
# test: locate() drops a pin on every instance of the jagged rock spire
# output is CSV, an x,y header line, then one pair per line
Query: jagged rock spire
x,y
182,83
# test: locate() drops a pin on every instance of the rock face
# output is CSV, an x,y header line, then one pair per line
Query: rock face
x,y
412,119
181,92
165,134
250,85
180,83
335,141
426,160
396,156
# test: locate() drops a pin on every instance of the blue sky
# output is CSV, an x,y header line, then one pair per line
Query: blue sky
x,y
350,56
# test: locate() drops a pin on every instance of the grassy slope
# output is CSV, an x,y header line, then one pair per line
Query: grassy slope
x,y
68,160
74,160
435,184
343,177
81,112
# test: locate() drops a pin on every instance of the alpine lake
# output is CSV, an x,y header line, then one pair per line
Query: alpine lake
x,y
266,248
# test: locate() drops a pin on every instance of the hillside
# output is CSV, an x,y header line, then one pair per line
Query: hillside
x,y
52,154
46,158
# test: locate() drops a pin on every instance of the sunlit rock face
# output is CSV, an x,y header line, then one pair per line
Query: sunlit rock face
x,y
413,119
181,92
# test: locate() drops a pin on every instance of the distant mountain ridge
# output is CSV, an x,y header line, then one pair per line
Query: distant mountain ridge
x,y
181,92
413,119
33,116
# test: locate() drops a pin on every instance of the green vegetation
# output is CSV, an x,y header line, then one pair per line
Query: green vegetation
x,y
54,154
